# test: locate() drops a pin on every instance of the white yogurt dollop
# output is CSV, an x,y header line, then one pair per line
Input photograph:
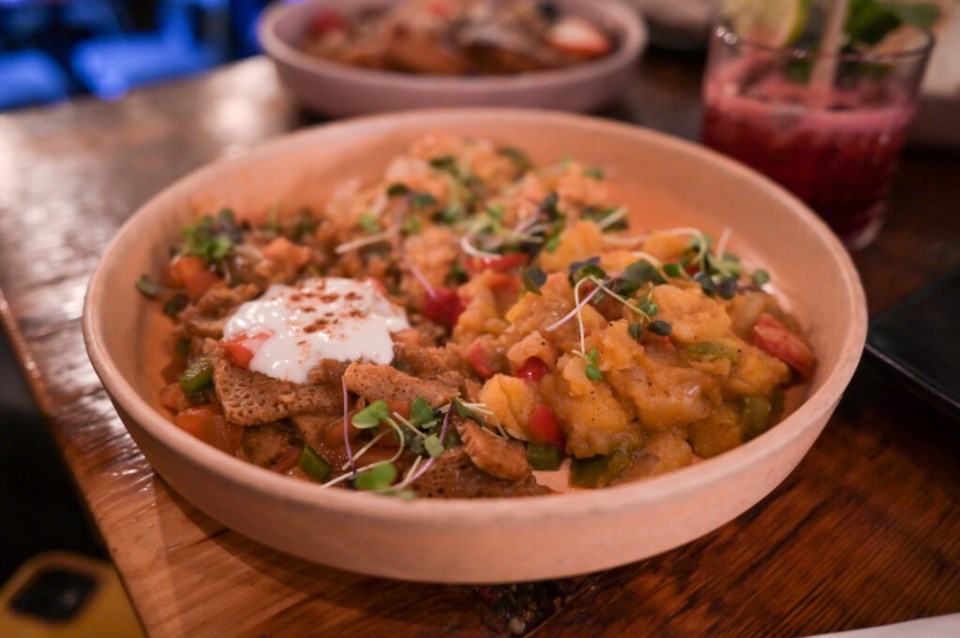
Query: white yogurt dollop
x,y
316,319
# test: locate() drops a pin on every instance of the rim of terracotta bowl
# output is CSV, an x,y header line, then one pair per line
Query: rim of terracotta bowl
x,y
815,408
633,37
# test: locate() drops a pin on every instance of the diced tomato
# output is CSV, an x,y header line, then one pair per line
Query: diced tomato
x,y
481,359
544,427
327,21
774,338
443,307
241,348
533,369
504,263
190,272
206,423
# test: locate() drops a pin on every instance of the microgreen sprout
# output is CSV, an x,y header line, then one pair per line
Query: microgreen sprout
x,y
446,163
660,328
149,288
422,201
411,226
450,214
760,277
175,304
673,270
304,225
421,414
397,189
580,270
531,279
594,172
592,370
376,477
637,274
521,162
212,239
369,223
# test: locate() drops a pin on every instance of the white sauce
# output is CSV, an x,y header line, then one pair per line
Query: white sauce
x,y
317,319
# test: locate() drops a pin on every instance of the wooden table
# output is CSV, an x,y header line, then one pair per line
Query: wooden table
x,y
865,532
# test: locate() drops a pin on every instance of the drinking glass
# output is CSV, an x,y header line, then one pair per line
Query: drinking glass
x,y
833,142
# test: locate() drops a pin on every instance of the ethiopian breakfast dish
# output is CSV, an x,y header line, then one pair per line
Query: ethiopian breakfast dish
x,y
467,325
458,37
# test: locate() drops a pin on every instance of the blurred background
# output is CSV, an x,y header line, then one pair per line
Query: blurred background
x,y
52,50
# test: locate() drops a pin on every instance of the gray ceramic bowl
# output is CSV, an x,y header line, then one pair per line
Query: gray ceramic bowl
x,y
673,183
340,90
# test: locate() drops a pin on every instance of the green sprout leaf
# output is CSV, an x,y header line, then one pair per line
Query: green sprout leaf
x,y
637,274
175,304
148,287
660,328
433,446
411,226
422,201
421,413
305,225
450,214
496,210
397,189
587,268
593,370
457,274
369,223
673,270
377,477
635,330
466,413
760,277
445,163
531,279
521,162
371,416
648,307
594,172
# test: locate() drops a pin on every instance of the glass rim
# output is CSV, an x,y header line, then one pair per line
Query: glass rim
x,y
725,32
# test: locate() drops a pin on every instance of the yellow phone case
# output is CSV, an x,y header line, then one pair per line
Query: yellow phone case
x,y
104,612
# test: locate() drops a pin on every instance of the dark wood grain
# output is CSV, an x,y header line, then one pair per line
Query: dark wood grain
x,y
866,531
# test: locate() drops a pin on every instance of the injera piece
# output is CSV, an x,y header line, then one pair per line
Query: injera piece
x,y
251,398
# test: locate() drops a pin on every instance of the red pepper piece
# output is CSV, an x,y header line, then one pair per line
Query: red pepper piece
x,y
481,359
443,306
240,349
504,263
533,369
544,427
774,338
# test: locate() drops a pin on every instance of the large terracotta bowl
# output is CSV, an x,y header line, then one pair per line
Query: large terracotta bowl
x,y
672,182
337,89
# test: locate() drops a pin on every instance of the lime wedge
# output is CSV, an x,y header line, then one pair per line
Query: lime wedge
x,y
774,23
